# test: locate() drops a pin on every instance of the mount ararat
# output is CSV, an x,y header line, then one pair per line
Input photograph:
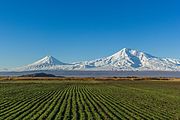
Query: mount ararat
x,y
124,60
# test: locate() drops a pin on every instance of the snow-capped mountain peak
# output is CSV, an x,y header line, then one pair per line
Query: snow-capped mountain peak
x,y
125,59
127,52
129,59
46,63
48,60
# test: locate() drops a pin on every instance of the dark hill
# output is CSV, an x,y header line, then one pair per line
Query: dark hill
x,y
38,75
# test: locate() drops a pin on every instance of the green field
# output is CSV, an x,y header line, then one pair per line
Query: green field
x,y
114,100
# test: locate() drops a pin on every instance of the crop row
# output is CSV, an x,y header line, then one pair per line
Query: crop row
x,y
74,102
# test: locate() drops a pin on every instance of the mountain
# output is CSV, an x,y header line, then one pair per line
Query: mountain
x,y
45,63
38,75
124,60
128,59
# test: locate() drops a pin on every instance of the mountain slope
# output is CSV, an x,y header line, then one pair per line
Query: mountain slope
x,y
128,59
45,63
125,59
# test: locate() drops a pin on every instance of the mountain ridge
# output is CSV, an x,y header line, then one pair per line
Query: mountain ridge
x,y
124,60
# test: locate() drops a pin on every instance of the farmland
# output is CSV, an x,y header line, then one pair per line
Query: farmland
x,y
81,100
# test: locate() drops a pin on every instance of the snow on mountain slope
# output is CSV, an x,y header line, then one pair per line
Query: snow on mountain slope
x,y
125,59
45,63
128,59
48,61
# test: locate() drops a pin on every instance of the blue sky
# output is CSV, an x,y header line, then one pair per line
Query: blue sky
x,y
77,30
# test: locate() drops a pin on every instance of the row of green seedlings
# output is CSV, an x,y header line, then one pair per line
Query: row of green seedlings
x,y
105,111
15,112
22,96
131,108
42,112
150,94
18,105
152,113
100,111
35,109
120,111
